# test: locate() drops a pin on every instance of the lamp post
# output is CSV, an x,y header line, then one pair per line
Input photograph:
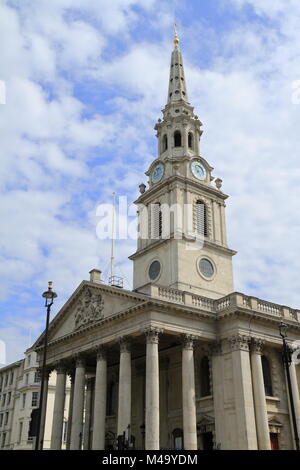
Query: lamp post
x,y
287,359
49,297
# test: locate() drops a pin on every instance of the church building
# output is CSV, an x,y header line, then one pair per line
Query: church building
x,y
182,361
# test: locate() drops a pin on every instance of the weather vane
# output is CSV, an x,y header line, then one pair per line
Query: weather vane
x,y
176,38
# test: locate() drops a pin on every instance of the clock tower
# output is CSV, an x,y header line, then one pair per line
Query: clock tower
x,y
182,241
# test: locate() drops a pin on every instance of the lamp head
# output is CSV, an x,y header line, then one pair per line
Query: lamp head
x,y
49,294
283,329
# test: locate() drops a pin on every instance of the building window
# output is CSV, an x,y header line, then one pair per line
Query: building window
x,y
6,418
8,398
177,139
267,376
164,143
34,399
201,218
26,379
1,420
29,360
178,439
6,380
112,399
1,383
37,377
23,400
3,399
20,432
204,377
11,378
3,440
191,140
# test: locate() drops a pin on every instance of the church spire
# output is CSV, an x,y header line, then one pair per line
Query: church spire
x,y
177,85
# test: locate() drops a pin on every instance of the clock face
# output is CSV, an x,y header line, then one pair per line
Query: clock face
x,y
158,173
198,170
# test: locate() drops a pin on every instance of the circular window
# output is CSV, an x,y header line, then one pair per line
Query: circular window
x,y
206,268
154,270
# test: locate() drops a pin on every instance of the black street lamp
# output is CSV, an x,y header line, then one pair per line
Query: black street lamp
x,y
49,297
287,360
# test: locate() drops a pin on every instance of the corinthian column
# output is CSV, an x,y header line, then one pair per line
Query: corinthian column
x,y
152,390
260,405
71,400
100,401
188,394
88,414
124,409
78,405
59,405
296,395
246,437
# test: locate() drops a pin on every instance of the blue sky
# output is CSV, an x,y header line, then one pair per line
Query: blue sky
x,y
85,83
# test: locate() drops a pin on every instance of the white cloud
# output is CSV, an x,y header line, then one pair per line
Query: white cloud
x,y
60,155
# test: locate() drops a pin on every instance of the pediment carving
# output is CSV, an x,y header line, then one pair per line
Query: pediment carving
x,y
89,308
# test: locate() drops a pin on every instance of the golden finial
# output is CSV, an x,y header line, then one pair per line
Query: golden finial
x,y
49,285
176,38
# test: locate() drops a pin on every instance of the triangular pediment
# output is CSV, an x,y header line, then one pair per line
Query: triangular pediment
x,y
88,305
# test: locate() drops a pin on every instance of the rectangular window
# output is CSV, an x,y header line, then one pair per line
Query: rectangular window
x,y
11,378
6,380
20,432
34,400
26,379
3,439
37,377
8,398
23,400
1,420
6,418
3,399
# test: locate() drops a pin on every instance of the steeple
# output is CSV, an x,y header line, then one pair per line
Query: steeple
x,y
179,132
182,242
177,85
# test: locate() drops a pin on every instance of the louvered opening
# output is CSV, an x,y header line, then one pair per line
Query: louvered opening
x,y
156,221
201,218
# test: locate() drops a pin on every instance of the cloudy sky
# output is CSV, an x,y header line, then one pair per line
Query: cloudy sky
x,y
85,83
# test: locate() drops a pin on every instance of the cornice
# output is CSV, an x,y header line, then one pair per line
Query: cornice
x,y
184,181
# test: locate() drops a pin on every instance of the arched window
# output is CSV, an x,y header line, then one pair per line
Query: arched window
x,y
177,139
191,140
267,376
164,143
112,399
156,221
204,377
201,218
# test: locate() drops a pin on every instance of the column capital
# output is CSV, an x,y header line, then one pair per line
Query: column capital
x,y
101,352
239,342
152,334
188,341
125,344
257,345
80,360
60,367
